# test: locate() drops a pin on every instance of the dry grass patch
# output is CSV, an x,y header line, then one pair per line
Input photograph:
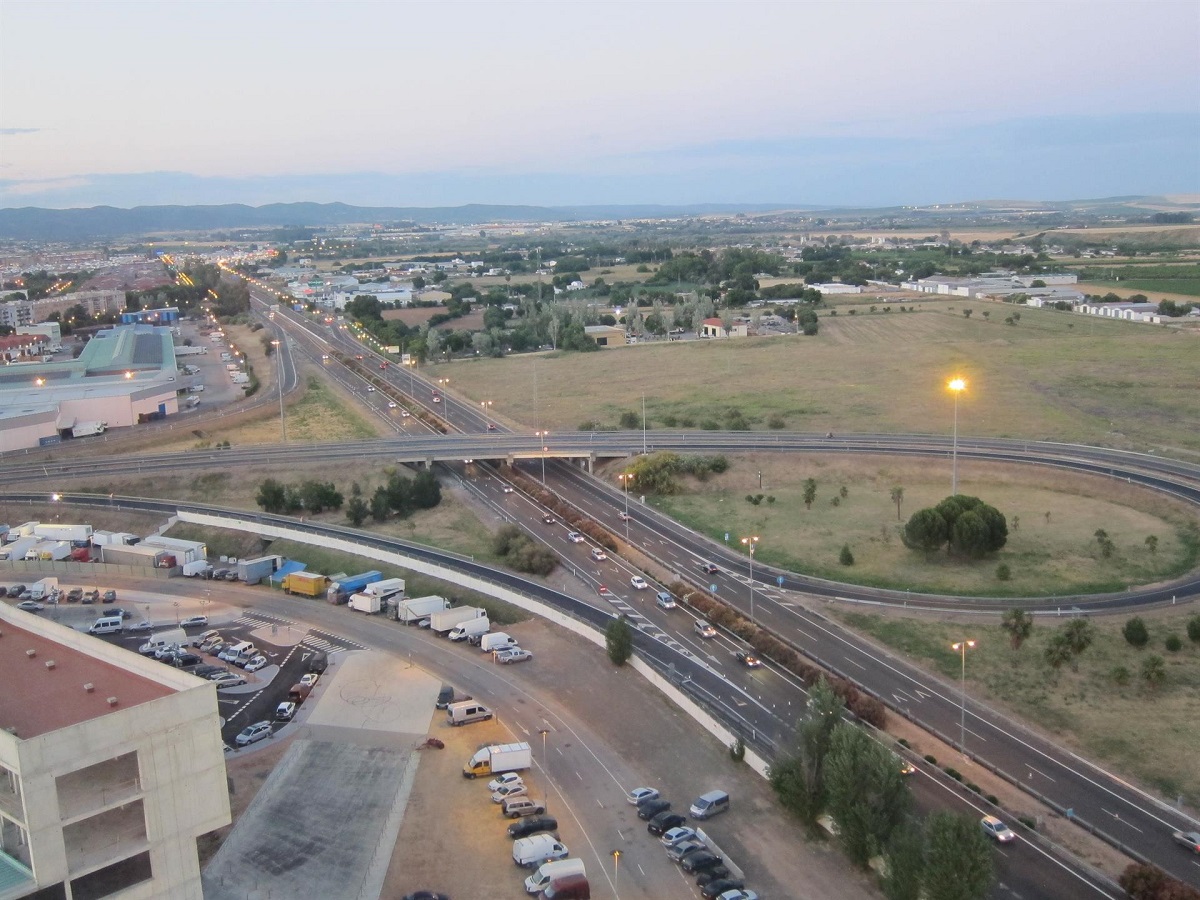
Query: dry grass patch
x,y
1052,376
1088,709
1052,518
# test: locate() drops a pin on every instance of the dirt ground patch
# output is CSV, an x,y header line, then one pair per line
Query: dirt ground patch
x,y
414,317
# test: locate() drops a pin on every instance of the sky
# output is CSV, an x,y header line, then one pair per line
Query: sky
x,y
572,103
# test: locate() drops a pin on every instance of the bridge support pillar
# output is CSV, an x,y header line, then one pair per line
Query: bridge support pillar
x,y
429,462
591,463
511,460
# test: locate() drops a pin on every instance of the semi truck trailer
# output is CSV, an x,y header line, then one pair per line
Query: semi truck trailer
x,y
340,590
441,622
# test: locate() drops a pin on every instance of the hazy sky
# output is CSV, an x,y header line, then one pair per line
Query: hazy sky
x,y
410,103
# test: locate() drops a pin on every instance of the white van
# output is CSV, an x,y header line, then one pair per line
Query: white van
x,y
537,849
540,880
466,711
107,625
497,640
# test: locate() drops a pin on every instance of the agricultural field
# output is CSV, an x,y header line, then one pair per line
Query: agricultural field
x,y
1049,376
1100,706
1052,520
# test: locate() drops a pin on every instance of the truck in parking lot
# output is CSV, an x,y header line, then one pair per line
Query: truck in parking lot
x,y
497,758
339,591
441,622
416,608
18,548
309,584
389,587
49,550
80,535
496,641
86,429
561,868
368,603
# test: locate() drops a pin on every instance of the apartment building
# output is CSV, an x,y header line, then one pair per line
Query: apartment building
x,y
111,767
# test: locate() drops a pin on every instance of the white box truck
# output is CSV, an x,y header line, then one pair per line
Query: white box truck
x,y
388,587
76,534
441,622
497,758
87,429
470,628
498,641
547,872
368,603
18,548
49,550
199,568
415,609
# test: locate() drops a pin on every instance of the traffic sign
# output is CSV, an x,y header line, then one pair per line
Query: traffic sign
x,y
713,588
779,581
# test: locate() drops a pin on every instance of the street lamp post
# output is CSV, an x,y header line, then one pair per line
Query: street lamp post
x,y
751,542
486,404
616,855
279,358
545,449
626,477
545,777
957,386
962,647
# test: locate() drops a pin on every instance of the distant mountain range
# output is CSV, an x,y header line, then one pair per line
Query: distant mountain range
x,y
99,222
110,222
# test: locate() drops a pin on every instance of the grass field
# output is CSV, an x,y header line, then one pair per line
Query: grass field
x,y
1148,734
1051,376
1052,550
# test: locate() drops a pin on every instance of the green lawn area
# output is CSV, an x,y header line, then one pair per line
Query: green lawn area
x,y
1052,519
1145,733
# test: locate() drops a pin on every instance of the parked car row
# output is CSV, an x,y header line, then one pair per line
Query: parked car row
x,y
684,844
52,595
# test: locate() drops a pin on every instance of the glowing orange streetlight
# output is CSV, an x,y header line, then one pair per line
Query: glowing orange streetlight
x,y
956,386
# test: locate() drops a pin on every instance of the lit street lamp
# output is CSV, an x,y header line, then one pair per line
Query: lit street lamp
x,y
626,477
546,778
957,386
962,647
545,449
751,542
486,404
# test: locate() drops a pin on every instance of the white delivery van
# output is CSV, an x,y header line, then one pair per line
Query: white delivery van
x,y
467,711
107,625
536,849
496,641
547,872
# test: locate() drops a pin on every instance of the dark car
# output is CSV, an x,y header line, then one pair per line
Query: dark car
x,y
708,568
16,590
426,895
700,860
205,671
716,873
118,611
319,662
74,595
532,825
717,886
652,808
186,660
445,697
664,822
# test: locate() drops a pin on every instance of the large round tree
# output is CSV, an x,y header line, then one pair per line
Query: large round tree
x,y
965,524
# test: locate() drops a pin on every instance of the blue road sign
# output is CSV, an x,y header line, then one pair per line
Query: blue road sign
x,y
713,588
779,581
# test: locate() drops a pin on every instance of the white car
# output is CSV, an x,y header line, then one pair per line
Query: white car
x,y
513,655
206,636
575,537
370,390
639,583
996,829
437,399
598,554
507,489
194,622
252,733
141,626
505,791
30,606
677,835
259,662
311,679
641,795
228,680
404,414
704,629
285,710
504,780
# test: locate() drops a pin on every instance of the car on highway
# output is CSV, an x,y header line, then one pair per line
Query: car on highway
x,y
598,554
996,829
370,390
651,808
437,399
513,655
194,622
506,779
641,795
258,662
392,404
677,835
707,568
664,822
285,710
252,733
1189,839
507,489
748,659
548,519
639,583
404,413
665,600
30,606
228,680
624,516
575,537
533,825
906,767
704,629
